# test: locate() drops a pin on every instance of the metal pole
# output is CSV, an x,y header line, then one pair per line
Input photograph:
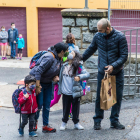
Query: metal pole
x,y
86,4
109,10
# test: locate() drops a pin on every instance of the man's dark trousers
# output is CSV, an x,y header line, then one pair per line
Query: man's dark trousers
x,y
99,113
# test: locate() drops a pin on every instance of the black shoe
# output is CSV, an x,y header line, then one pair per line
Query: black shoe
x,y
97,125
117,125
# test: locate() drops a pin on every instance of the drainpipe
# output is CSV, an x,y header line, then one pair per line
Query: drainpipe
x,y
86,4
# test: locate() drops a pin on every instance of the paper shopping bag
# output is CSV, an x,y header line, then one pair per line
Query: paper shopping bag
x,y
8,50
108,92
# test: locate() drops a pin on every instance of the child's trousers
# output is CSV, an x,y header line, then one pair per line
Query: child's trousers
x,y
25,121
67,101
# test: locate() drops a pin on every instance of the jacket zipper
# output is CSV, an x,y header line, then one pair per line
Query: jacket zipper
x,y
32,103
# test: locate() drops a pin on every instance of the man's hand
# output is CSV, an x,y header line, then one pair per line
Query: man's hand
x,y
55,79
109,69
26,95
77,79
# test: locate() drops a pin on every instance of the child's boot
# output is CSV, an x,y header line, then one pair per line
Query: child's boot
x,y
63,126
78,126
32,134
21,132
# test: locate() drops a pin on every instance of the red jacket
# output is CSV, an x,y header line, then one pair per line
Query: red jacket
x,y
29,104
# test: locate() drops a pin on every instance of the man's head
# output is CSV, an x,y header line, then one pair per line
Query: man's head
x,y
30,82
104,26
12,25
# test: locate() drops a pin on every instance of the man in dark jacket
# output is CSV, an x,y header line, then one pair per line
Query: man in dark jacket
x,y
113,52
12,37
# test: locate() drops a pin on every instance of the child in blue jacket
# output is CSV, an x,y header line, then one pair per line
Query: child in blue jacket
x,y
21,45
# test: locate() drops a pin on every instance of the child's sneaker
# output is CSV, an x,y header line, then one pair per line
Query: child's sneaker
x,y
70,116
20,58
5,58
63,126
32,134
21,132
78,126
17,57
2,58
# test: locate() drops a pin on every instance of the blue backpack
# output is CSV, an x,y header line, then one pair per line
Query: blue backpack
x,y
15,99
36,58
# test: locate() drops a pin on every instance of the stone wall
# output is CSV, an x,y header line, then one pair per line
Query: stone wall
x,y
83,24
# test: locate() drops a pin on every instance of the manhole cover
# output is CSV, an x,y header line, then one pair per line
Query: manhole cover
x,y
3,83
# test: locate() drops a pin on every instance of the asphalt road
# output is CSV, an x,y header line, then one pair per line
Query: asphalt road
x,y
13,75
129,116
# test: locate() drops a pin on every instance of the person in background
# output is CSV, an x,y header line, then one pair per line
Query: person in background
x,y
12,37
21,45
3,42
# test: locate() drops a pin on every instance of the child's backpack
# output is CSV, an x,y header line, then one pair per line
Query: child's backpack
x,y
15,99
36,58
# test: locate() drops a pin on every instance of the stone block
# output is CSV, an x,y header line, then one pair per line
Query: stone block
x,y
138,68
87,37
78,43
94,94
93,24
65,32
131,90
84,29
87,98
81,22
132,69
132,80
68,21
93,73
93,85
92,62
82,51
85,46
76,32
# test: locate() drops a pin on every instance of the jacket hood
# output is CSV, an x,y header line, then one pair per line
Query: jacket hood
x,y
52,49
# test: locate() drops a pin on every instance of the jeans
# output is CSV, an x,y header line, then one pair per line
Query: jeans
x,y
25,121
99,113
44,99
13,49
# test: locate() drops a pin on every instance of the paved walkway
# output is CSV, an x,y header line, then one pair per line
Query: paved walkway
x,y
129,116
24,63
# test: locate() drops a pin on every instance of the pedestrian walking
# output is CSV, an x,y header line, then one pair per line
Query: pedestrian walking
x,y
21,45
12,37
28,103
112,54
47,70
3,42
69,86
